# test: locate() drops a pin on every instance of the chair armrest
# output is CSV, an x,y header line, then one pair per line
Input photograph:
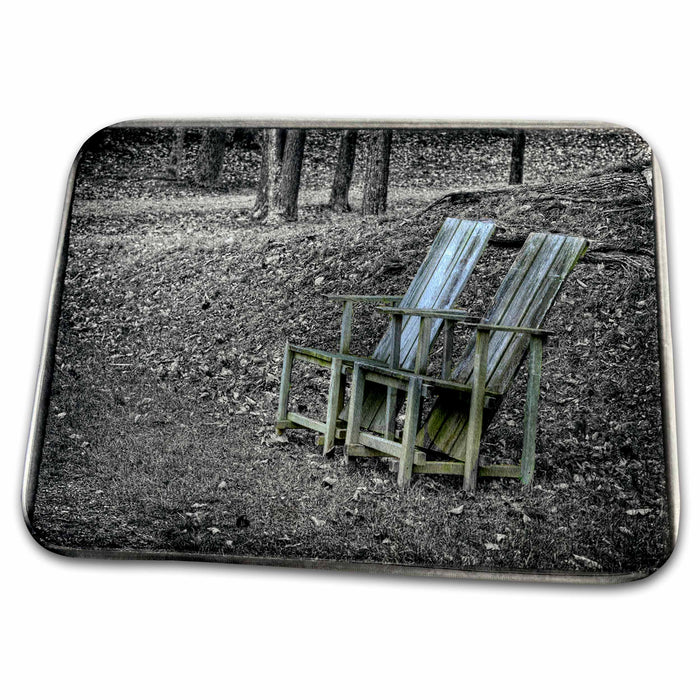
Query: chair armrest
x,y
399,378
538,332
445,314
366,298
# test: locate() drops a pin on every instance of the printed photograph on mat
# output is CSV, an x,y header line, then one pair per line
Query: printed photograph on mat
x,y
368,348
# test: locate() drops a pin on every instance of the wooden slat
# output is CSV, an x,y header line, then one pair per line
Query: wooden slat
x,y
539,332
534,373
451,314
392,392
476,410
399,378
408,443
395,380
357,392
306,422
346,328
324,358
285,384
500,470
386,447
362,451
334,404
382,448
454,468
423,348
447,349
367,298
457,469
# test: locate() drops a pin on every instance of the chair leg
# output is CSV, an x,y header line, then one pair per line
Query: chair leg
x,y
357,397
285,385
408,443
476,411
534,374
334,399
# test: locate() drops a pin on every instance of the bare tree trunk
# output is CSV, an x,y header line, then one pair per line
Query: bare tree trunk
x,y
210,156
377,172
517,158
177,155
284,201
343,171
271,150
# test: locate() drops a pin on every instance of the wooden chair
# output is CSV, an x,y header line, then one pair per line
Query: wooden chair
x,y
438,283
470,390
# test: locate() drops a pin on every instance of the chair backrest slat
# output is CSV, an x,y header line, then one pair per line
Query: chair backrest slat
x,y
439,281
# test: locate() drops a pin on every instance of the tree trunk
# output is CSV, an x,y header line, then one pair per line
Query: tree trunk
x,y
284,201
210,156
517,158
177,155
271,150
343,171
377,172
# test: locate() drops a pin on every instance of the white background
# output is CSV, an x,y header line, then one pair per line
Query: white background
x,y
83,629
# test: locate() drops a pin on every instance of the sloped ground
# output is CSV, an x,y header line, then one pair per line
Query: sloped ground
x,y
174,320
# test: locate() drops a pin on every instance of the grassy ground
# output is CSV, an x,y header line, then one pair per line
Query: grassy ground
x,y
174,318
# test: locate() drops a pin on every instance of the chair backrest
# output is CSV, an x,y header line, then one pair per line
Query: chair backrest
x,y
523,299
439,281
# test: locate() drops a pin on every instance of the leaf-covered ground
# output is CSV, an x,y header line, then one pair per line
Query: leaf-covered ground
x,y
174,317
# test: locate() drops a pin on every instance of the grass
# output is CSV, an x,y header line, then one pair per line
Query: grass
x,y
174,319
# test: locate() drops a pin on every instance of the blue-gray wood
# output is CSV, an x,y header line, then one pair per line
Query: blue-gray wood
x,y
438,283
523,299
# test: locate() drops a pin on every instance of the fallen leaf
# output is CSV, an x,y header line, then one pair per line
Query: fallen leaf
x,y
222,485
317,522
329,481
491,545
638,511
458,510
588,562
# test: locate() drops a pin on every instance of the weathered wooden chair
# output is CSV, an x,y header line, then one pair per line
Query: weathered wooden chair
x,y
470,391
440,279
